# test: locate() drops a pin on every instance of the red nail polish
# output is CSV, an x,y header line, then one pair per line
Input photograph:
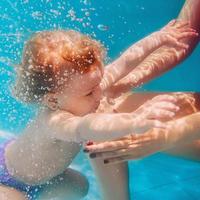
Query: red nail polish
x,y
89,143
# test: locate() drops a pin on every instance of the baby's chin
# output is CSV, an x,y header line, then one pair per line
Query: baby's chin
x,y
94,109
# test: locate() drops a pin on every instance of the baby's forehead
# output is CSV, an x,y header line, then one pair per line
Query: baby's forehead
x,y
92,76
87,80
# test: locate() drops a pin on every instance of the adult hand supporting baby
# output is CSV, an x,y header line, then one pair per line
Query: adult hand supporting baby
x,y
179,132
130,147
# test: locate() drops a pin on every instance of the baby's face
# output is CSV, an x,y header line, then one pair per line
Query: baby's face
x,y
82,94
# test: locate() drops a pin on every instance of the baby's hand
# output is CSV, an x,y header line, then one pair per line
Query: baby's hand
x,y
174,31
151,113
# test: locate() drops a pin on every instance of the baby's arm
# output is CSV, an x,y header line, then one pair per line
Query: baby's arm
x,y
164,58
170,34
97,127
105,126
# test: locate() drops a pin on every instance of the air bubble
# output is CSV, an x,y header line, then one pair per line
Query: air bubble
x,y
37,15
87,14
102,27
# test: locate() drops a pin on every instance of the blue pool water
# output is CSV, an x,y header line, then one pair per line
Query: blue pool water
x,y
117,24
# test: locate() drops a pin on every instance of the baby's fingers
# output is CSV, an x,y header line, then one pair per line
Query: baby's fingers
x,y
168,106
165,97
161,114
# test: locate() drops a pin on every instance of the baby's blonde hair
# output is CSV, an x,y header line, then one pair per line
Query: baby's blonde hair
x,y
50,57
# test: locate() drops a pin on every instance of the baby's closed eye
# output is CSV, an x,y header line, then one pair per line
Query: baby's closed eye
x,y
90,93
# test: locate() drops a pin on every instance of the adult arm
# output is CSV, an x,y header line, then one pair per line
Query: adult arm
x,y
183,130
164,58
135,54
181,133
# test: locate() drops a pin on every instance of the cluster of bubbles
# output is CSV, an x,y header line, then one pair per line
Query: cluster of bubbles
x,y
18,21
21,18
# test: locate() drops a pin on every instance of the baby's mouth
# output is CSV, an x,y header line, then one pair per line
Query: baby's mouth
x,y
95,107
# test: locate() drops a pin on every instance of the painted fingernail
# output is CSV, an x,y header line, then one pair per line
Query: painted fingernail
x,y
93,155
89,143
86,151
106,161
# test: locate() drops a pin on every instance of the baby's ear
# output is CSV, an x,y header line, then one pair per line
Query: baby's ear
x,y
51,101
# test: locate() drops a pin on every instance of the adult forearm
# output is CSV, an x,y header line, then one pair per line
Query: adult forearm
x,y
130,59
185,130
165,57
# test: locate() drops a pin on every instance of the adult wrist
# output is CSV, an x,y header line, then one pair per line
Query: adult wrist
x,y
180,132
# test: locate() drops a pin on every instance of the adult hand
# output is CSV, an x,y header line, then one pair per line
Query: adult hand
x,y
137,146
176,30
130,147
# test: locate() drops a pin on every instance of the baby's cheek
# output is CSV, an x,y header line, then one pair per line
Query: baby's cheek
x,y
98,93
87,102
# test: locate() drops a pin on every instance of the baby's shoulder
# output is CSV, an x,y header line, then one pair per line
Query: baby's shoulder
x,y
58,116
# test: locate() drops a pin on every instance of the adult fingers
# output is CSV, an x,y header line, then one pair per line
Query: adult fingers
x,y
108,154
187,34
135,154
171,23
129,149
119,159
176,42
107,146
180,24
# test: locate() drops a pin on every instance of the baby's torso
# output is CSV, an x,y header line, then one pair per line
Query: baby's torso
x,y
36,156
